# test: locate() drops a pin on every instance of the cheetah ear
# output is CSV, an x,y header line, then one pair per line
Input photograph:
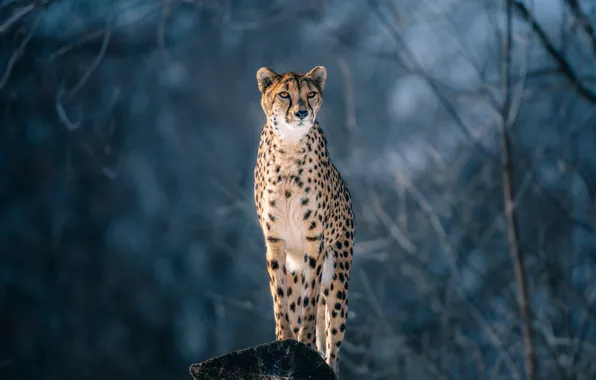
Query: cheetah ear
x,y
265,77
319,74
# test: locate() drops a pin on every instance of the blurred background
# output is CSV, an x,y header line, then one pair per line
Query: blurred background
x,y
466,130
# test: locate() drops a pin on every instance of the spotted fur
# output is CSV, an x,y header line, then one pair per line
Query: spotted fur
x,y
305,211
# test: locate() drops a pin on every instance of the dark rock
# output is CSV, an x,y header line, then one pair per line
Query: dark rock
x,y
285,359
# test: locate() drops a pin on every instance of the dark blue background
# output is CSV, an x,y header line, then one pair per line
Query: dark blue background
x,y
129,244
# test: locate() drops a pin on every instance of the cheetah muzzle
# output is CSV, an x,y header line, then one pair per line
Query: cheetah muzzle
x,y
305,211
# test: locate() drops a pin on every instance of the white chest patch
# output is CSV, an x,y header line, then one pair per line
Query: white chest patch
x,y
328,270
290,133
289,225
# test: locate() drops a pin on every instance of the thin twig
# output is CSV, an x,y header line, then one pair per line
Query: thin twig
x,y
509,196
585,22
562,63
95,64
16,17
433,84
397,234
64,116
349,91
19,52
86,38
161,27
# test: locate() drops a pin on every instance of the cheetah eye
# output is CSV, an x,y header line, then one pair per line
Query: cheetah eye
x,y
312,94
284,94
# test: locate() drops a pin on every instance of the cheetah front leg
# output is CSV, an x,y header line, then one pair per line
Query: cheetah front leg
x,y
321,317
336,296
276,266
310,292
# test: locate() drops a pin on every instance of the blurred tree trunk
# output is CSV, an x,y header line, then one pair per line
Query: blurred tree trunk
x,y
508,176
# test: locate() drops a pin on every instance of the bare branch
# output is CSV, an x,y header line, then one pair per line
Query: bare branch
x,y
16,17
19,52
86,38
562,208
548,71
508,175
161,27
350,108
95,64
63,115
584,21
399,236
563,65
449,253
432,83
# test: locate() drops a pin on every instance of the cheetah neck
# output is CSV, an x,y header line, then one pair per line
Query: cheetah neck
x,y
313,145
289,134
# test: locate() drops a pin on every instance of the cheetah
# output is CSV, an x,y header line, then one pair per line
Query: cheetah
x,y
305,211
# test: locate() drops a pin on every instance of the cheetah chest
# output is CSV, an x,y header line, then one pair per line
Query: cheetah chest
x,y
291,214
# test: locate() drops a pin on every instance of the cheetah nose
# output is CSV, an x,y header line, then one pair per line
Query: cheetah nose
x,y
301,114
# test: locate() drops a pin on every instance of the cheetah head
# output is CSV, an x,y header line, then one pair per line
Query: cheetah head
x,y
291,100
